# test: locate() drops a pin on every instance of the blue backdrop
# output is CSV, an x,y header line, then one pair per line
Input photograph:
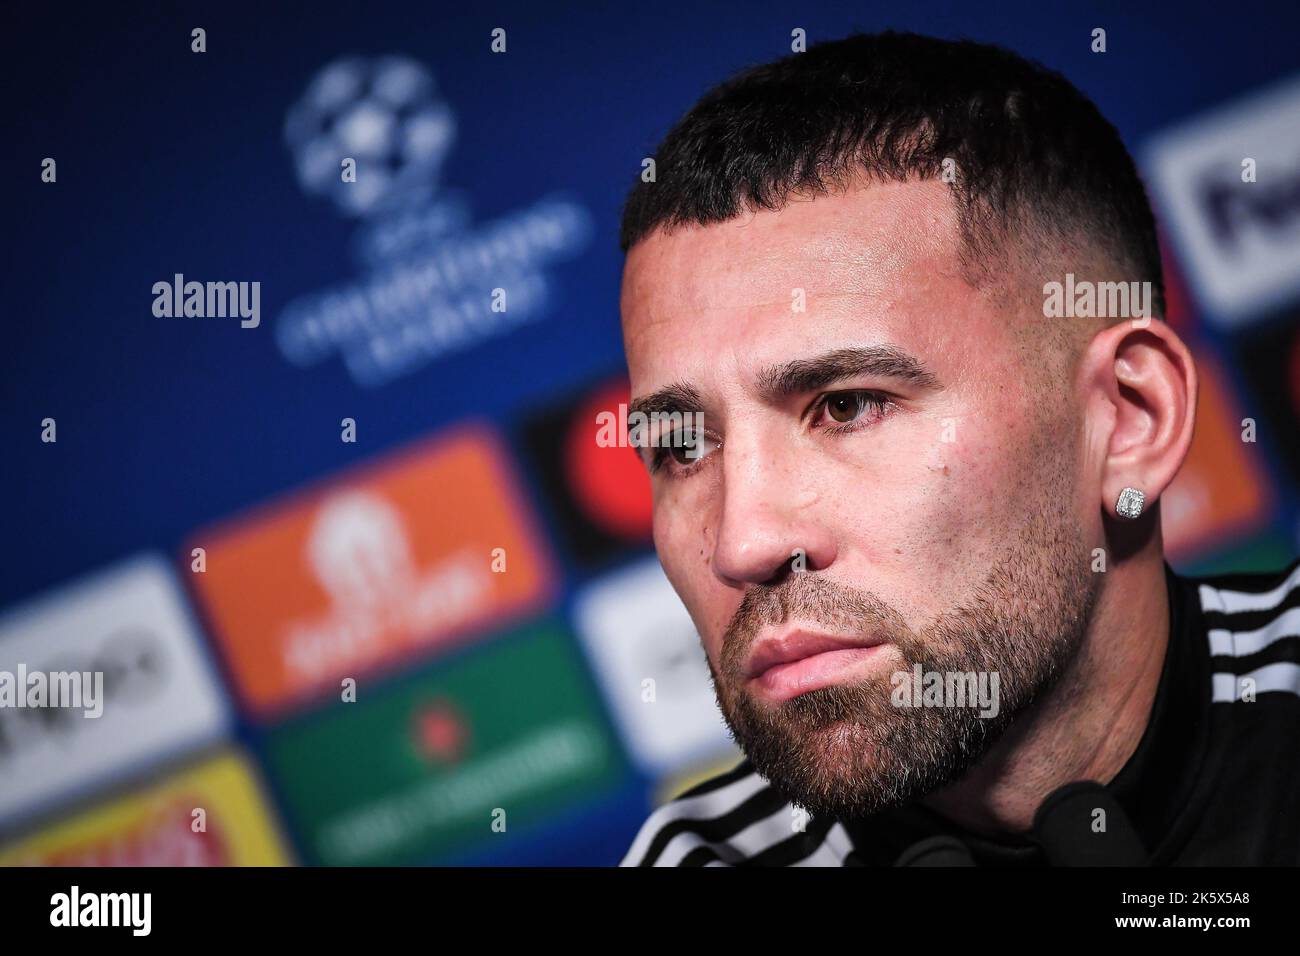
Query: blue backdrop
x,y
171,161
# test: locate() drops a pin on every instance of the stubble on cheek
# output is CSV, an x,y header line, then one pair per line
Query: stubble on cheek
x,y
951,530
982,485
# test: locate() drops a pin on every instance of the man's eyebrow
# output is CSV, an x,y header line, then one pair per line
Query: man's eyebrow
x,y
811,374
678,397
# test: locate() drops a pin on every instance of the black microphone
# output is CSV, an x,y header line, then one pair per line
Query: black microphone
x,y
1082,824
937,851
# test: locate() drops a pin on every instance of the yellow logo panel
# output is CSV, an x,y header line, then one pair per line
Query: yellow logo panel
x,y
212,814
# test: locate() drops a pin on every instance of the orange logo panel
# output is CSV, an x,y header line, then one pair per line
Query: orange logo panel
x,y
396,559
1219,493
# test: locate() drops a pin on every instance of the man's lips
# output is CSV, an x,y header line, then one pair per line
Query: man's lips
x,y
786,665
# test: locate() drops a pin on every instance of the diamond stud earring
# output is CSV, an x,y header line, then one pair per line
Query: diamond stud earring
x,y
1130,503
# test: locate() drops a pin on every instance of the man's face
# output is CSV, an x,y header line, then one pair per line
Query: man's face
x,y
883,482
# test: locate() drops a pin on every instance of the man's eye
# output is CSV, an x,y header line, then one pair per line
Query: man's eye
x,y
681,450
854,407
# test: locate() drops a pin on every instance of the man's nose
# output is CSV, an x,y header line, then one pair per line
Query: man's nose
x,y
772,519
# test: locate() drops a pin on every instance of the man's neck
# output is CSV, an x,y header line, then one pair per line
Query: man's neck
x,y
1090,724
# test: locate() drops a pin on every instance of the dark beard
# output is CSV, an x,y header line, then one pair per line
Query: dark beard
x,y
846,751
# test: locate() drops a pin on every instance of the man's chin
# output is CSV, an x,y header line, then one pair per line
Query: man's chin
x,y
848,765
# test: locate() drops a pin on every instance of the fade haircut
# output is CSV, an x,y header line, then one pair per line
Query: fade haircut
x,y
1035,166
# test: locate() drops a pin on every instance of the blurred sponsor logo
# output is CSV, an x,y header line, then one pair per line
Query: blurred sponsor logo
x,y
441,732
433,284
599,490
210,815
1262,554
651,667
387,115
1272,354
1221,491
159,694
1178,311
484,748
393,559
1229,182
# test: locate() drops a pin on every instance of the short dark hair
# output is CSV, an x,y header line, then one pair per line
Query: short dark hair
x,y
1030,152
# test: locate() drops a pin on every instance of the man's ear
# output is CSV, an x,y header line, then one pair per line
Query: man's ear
x,y
1141,386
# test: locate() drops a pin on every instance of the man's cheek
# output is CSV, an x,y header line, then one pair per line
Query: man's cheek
x,y
685,551
683,532
677,552
956,532
907,539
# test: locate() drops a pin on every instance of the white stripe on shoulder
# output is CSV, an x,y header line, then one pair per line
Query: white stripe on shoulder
x,y
705,806
758,837
1283,676
1230,602
749,842
1225,643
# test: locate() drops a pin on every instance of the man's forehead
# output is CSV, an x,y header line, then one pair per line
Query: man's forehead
x,y
874,267
874,241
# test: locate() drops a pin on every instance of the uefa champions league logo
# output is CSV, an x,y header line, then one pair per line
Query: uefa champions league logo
x,y
383,113
432,282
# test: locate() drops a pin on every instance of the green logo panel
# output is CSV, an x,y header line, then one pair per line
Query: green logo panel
x,y
439,761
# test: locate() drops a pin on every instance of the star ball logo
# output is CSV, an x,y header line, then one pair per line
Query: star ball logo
x,y
384,116
372,136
